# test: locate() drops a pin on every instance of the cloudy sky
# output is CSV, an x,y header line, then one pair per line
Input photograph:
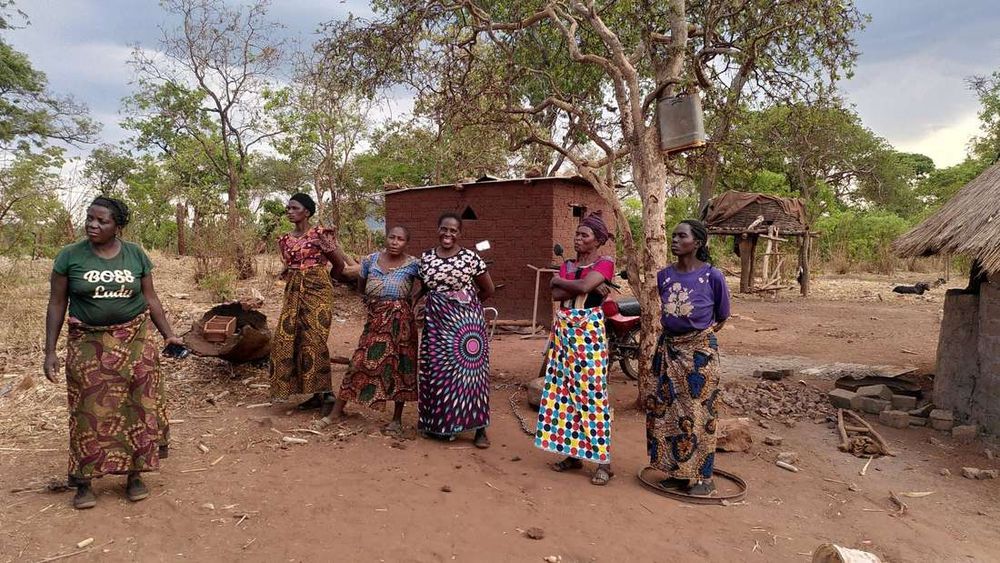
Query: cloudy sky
x,y
909,85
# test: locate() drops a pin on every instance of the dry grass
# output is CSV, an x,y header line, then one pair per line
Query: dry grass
x,y
33,411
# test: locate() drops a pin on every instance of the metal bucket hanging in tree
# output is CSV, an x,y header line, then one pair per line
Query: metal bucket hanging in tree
x,y
681,123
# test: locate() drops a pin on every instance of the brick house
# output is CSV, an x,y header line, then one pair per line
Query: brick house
x,y
522,218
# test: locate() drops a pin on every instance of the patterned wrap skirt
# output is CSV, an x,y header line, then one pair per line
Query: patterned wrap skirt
x,y
454,390
300,359
113,386
574,415
384,366
680,405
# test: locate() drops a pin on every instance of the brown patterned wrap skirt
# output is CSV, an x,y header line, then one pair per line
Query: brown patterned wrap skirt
x,y
300,359
384,366
680,405
117,415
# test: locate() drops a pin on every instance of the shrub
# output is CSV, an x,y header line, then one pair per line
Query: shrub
x,y
856,239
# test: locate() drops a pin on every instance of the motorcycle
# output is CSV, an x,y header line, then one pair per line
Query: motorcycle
x,y
622,326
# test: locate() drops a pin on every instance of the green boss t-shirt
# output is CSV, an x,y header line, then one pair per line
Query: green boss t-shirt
x,y
104,291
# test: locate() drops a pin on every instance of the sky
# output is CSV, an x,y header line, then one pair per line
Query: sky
x,y
908,87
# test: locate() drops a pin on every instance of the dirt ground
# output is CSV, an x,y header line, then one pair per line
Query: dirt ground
x,y
355,494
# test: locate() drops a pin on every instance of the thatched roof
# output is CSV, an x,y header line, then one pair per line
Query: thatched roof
x,y
968,224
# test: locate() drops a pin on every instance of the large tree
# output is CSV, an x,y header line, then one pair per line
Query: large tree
x,y
600,69
224,57
31,115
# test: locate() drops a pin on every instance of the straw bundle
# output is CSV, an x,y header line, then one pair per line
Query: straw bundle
x,y
968,224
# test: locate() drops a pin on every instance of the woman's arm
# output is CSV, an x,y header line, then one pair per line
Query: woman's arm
x,y
330,248
54,316
577,287
486,287
156,311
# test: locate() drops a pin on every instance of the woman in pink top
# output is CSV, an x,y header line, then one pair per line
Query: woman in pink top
x,y
574,416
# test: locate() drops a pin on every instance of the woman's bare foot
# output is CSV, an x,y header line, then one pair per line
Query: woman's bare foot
x,y
481,441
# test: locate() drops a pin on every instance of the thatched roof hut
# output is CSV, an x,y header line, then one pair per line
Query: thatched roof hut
x,y
968,224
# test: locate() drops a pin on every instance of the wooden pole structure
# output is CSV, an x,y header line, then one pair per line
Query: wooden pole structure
x,y
804,264
748,247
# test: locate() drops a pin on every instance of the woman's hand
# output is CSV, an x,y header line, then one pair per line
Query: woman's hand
x,y
51,367
174,339
328,242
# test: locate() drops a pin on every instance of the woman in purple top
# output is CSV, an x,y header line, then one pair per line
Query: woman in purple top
x,y
680,406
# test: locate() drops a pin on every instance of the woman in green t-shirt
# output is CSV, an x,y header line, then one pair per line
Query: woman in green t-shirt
x,y
118,422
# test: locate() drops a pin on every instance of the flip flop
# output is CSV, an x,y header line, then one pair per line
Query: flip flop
x,y
601,476
567,465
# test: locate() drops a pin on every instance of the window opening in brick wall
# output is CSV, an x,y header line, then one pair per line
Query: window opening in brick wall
x,y
579,211
469,214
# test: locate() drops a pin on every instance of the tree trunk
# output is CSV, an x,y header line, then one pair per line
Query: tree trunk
x,y
804,265
650,174
233,193
180,215
709,177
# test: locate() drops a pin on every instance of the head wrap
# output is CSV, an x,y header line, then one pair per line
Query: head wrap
x,y
119,211
595,223
306,202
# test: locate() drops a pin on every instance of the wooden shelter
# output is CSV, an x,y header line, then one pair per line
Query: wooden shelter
x,y
750,217
967,379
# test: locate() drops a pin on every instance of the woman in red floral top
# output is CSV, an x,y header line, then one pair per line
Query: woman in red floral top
x,y
300,360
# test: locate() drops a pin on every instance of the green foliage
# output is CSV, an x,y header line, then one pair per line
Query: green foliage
x,y
852,239
987,89
221,284
32,220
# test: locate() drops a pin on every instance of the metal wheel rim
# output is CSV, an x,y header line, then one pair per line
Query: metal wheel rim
x,y
693,499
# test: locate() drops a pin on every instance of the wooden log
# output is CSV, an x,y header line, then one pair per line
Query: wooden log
x,y
746,263
844,442
804,264
878,437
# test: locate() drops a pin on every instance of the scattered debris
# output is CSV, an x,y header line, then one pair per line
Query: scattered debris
x,y
535,533
773,440
964,434
945,472
783,401
84,543
942,419
445,488
920,494
899,503
864,470
291,440
787,466
832,553
733,435
790,458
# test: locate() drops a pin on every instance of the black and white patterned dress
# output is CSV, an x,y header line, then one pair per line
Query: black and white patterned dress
x,y
454,389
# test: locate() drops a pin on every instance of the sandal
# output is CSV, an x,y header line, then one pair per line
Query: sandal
x,y
672,483
314,402
702,489
481,441
602,476
85,497
163,451
567,464
395,428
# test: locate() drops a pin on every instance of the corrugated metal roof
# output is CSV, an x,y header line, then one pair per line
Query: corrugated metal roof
x,y
492,182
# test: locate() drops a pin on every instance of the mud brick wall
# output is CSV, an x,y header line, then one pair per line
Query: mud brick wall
x,y
522,219
968,363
